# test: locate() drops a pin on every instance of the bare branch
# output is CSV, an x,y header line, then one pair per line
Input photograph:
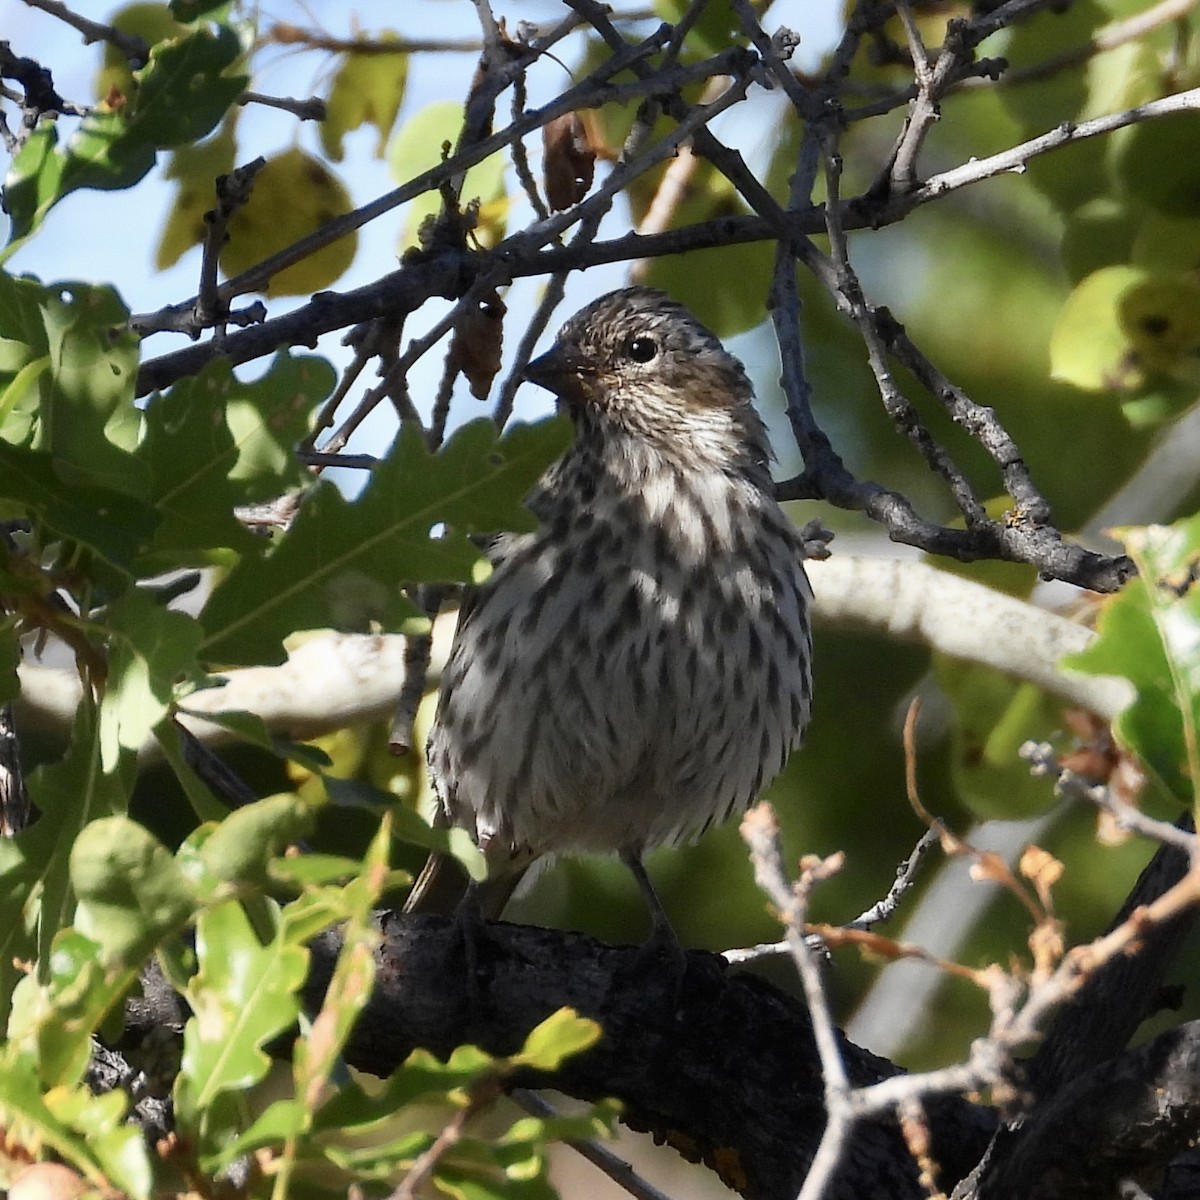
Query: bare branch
x,y
133,47
312,109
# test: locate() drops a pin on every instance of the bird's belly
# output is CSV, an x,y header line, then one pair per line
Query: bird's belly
x,y
623,714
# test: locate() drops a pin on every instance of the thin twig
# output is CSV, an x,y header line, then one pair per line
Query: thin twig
x,y
312,109
519,157
761,833
1043,761
596,89
482,1093
233,191
135,49
615,1167
902,413
906,875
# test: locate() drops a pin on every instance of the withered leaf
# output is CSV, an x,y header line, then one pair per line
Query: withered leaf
x,y
570,161
478,342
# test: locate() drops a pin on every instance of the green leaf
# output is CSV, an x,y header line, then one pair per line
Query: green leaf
x,y
422,1079
243,994
116,527
560,1036
1154,167
213,443
367,90
194,10
190,453
241,847
268,417
18,400
251,729
56,1014
1125,77
596,1122
1150,634
1089,346
85,418
407,824
993,717
199,795
187,87
315,911
182,93
153,648
68,794
153,23
88,413
341,563
34,181
28,1120
418,147
119,1146
313,870
318,1055
131,891
103,154
21,868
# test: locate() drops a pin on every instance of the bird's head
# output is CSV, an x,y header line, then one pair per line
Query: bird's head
x,y
637,363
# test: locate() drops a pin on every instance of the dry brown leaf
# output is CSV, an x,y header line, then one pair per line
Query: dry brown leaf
x,y
570,161
479,342
1043,870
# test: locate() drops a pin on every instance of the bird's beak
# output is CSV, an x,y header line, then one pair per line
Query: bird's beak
x,y
559,370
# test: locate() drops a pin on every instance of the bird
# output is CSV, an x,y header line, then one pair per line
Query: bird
x,y
637,669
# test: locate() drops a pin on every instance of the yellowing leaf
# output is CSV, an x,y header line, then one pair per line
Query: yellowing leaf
x,y
152,23
294,195
367,90
559,1036
195,168
419,147
1161,318
1089,347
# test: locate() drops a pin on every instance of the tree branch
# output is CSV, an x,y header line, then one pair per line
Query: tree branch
x,y
667,1041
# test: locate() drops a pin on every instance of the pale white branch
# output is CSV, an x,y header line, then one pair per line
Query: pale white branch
x,y
917,602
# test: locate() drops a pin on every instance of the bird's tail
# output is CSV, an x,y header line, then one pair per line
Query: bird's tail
x,y
443,882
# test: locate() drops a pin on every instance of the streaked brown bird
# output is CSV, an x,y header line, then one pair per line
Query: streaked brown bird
x,y
637,669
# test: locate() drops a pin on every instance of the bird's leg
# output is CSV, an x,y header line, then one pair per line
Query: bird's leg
x,y
663,945
662,933
469,928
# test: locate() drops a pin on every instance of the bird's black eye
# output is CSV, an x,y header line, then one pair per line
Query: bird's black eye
x,y
641,349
